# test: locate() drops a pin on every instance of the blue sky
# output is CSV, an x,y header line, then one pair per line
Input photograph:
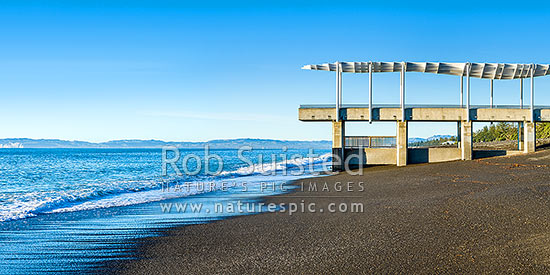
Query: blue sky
x,y
200,70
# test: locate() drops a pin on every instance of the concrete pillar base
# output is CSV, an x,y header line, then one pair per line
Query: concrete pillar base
x,y
529,140
338,140
402,143
466,140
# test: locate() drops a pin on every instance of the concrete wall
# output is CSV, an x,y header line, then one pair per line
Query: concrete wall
x,y
377,156
444,154
430,155
388,156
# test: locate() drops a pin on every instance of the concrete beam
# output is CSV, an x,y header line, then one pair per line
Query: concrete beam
x,y
544,115
438,114
316,114
402,143
529,142
380,114
466,140
423,114
358,114
502,114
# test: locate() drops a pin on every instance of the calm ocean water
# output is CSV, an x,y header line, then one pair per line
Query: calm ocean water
x,y
74,209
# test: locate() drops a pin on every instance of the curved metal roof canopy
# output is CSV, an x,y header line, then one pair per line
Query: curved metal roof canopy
x,y
479,70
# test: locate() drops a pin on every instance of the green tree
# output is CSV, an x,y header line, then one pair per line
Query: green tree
x,y
497,132
543,130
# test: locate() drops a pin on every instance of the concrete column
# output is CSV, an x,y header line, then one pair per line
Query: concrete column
x,y
466,140
458,135
337,129
402,143
520,136
338,143
529,140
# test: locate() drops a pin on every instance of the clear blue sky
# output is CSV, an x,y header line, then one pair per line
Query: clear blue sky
x,y
200,70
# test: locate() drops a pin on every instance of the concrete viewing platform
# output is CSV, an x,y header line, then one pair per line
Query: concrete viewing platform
x,y
464,114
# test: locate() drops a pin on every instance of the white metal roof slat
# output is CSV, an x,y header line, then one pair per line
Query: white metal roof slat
x,y
431,67
396,66
515,71
424,67
496,73
482,73
505,67
503,71
474,69
540,70
524,70
481,70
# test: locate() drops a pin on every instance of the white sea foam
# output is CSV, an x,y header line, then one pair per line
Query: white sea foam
x,y
268,168
124,193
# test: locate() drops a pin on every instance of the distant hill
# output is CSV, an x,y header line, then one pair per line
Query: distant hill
x,y
436,137
136,143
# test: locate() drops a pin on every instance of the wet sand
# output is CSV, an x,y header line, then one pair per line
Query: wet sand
x,y
488,215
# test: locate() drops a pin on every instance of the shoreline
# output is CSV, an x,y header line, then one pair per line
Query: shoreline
x,y
88,240
467,216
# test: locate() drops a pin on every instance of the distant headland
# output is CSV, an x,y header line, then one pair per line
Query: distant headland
x,y
137,143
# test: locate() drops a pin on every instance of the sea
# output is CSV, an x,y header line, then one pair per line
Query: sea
x,y
77,210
